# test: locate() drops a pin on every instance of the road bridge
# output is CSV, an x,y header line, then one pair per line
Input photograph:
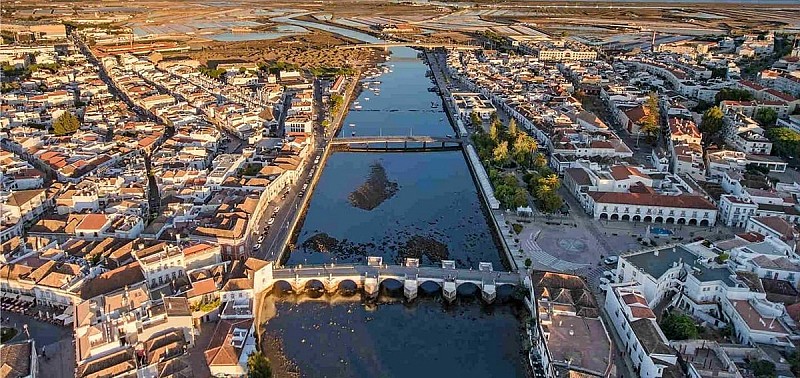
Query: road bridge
x,y
387,45
410,274
398,143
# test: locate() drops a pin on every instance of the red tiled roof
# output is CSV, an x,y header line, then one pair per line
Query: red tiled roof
x,y
649,199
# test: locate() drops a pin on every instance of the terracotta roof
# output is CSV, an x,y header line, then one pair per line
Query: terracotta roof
x,y
21,197
93,222
622,172
636,114
779,225
219,350
202,287
15,359
113,280
579,175
649,199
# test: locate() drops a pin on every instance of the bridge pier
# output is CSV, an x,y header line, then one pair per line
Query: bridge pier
x,y
488,292
449,290
410,288
371,286
331,285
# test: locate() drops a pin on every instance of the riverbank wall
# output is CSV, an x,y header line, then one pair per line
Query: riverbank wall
x,y
502,230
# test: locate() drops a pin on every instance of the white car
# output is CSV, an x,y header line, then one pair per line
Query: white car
x,y
257,246
609,274
604,281
270,221
611,260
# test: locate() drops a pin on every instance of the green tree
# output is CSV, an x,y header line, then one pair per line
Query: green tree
x,y
494,117
513,130
678,327
494,131
549,182
550,202
475,119
520,198
523,149
539,161
712,121
258,366
785,141
65,124
500,154
794,361
762,369
651,124
766,117
732,94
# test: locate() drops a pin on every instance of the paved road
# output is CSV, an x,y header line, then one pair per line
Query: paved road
x,y
57,341
289,206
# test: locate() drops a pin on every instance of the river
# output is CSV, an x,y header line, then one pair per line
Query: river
x,y
394,205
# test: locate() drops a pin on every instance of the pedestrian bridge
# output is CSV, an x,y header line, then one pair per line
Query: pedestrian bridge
x,y
370,277
400,143
387,45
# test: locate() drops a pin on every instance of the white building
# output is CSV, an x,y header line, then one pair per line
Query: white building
x,y
642,339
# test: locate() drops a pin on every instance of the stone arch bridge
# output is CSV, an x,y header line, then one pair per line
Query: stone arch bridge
x,y
410,274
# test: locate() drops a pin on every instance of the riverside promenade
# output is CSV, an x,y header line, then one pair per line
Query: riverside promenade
x,y
511,247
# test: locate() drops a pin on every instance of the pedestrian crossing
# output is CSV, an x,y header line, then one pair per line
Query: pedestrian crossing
x,y
540,256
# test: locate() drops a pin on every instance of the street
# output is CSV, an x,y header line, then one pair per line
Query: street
x,y
289,208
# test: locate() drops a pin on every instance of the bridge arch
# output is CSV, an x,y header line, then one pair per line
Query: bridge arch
x,y
391,285
469,289
347,287
626,217
314,285
614,217
430,286
505,291
637,218
281,287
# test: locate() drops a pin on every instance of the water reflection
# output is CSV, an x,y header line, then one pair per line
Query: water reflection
x,y
317,334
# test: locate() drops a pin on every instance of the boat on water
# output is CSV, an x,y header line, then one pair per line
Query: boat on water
x,y
353,133
434,105
352,125
366,98
357,107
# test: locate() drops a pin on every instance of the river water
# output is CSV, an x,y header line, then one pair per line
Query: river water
x,y
434,211
428,207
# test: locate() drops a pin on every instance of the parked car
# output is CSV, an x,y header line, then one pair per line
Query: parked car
x,y
604,281
609,274
271,221
257,246
611,260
